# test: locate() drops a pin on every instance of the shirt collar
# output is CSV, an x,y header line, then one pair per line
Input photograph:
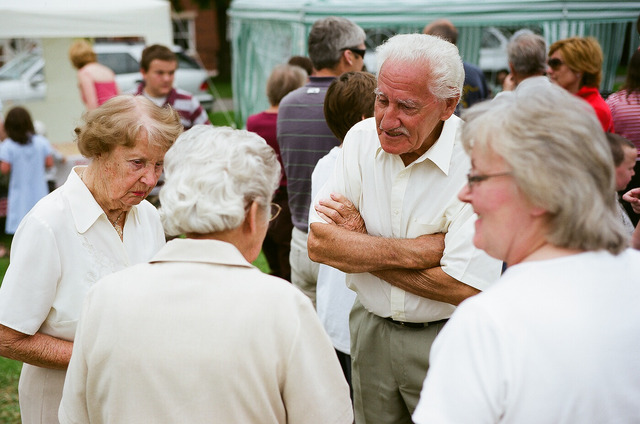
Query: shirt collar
x,y
204,251
442,150
84,208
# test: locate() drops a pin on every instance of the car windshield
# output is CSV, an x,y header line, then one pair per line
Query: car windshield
x,y
15,68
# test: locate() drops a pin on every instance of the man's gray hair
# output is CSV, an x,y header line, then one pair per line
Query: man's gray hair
x,y
560,160
527,53
329,37
212,174
440,59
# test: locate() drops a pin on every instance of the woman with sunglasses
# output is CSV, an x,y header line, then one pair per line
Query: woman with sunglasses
x,y
575,64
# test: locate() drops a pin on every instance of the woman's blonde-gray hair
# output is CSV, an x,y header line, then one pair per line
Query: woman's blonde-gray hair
x,y
122,120
212,174
560,160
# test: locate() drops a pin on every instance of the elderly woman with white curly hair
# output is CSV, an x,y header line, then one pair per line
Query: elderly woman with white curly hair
x,y
556,339
199,334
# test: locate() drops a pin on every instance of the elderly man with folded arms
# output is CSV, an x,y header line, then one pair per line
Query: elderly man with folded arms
x,y
390,217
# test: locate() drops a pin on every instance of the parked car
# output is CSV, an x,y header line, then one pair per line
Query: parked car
x,y
22,78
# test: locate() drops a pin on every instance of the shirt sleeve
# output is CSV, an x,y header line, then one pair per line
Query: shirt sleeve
x,y
314,376
73,407
461,259
30,284
5,152
345,179
465,382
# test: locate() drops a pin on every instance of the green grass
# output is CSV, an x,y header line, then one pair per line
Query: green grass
x,y
9,376
220,119
222,88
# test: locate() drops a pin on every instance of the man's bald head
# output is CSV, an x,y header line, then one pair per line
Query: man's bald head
x,y
442,28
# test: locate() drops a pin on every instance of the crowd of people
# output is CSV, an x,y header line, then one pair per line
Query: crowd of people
x,y
437,255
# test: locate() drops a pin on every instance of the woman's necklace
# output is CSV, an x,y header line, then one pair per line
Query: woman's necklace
x,y
115,225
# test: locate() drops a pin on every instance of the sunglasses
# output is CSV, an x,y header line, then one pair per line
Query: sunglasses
x,y
555,63
355,50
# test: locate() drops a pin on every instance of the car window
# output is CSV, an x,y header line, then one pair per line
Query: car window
x,y
15,68
185,62
120,63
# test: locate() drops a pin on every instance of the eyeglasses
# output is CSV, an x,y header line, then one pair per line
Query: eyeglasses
x,y
355,50
275,211
475,179
555,63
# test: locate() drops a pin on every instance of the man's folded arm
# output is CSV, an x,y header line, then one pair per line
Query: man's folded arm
x,y
353,252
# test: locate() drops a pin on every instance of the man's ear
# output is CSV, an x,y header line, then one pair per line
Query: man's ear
x,y
450,107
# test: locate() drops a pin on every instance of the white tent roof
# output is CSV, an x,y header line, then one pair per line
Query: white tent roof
x,y
266,33
86,18
57,23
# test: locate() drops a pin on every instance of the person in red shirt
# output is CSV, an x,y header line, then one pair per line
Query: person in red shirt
x,y
575,64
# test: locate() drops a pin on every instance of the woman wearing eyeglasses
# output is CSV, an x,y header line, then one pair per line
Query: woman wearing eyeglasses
x,y
555,340
575,64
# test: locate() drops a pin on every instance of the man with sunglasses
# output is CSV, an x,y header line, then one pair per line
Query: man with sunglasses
x,y
336,45
389,217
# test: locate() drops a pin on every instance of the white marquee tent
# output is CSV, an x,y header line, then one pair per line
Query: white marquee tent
x,y
264,34
58,23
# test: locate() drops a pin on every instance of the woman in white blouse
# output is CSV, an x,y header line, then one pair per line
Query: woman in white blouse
x,y
95,224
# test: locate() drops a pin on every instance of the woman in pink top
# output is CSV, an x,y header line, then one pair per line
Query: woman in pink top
x,y
575,64
625,108
97,83
625,104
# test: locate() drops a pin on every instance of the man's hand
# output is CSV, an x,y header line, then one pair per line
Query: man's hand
x,y
340,211
508,84
633,197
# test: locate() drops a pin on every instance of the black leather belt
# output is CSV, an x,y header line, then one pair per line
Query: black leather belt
x,y
415,324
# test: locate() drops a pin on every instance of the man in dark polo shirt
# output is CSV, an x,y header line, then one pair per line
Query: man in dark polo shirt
x,y
336,45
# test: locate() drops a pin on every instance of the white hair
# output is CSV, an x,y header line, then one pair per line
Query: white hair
x,y
560,160
440,58
212,175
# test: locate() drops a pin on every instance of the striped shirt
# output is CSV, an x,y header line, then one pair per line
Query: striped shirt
x,y
304,138
626,115
188,107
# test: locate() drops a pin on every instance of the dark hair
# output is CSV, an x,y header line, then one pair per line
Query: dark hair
x,y
617,142
633,74
303,62
18,125
156,52
444,29
349,98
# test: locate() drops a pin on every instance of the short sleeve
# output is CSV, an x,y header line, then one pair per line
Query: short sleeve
x,y
461,259
466,382
5,152
30,284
